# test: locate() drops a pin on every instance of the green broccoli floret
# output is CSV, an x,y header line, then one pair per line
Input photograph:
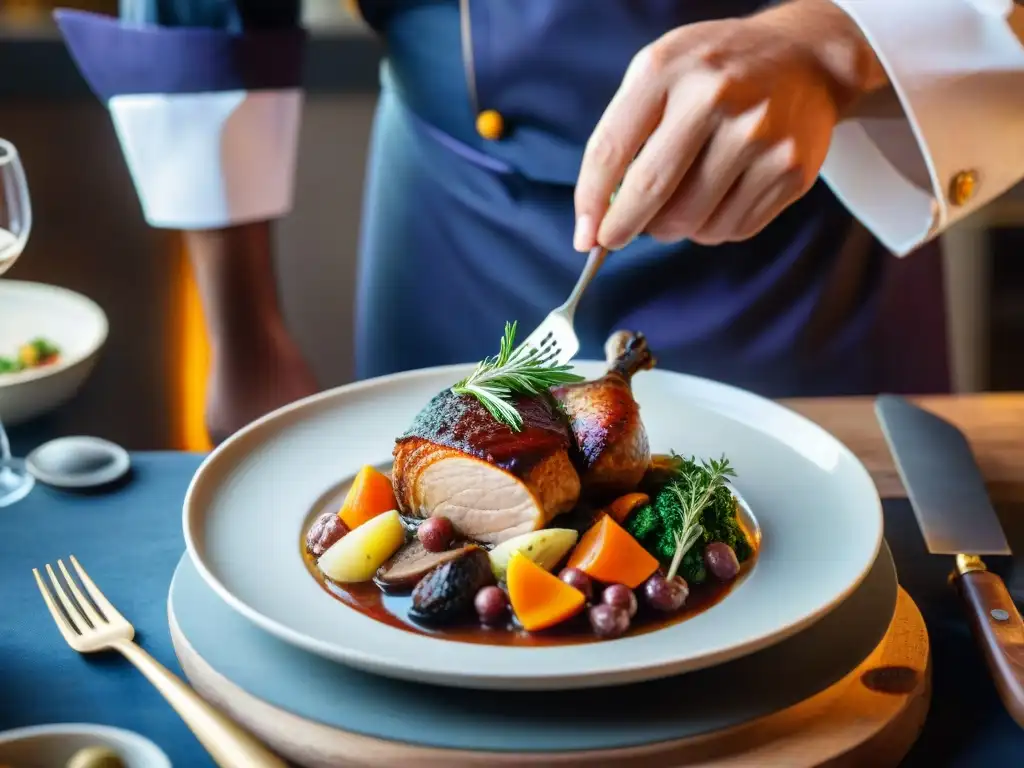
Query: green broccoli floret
x,y
654,525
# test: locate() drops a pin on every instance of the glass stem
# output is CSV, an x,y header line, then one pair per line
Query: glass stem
x,y
5,444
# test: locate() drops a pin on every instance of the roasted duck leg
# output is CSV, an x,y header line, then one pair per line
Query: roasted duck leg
x,y
614,452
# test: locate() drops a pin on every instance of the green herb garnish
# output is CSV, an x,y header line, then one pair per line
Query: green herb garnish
x,y
31,355
692,509
511,372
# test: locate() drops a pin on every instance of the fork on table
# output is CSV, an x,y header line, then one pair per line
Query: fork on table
x,y
555,338
92,626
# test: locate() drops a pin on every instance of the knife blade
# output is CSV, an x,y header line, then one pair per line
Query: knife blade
x,y
948,495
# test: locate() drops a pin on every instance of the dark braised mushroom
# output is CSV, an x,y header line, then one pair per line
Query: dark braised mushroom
x,y
446,594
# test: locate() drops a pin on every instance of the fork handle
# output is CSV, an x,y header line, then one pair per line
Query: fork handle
x,y
594,261
227,743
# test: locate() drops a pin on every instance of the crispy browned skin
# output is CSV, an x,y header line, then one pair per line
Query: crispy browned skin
x,y
462,423
613,448
492,482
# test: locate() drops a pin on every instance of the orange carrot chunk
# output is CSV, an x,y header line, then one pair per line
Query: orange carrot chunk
x,y
371,494
540,599
623,506
606,552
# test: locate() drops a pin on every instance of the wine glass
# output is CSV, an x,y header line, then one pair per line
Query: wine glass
x,y
15,225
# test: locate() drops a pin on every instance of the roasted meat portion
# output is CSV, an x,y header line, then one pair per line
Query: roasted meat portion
x,y
613,450
492,482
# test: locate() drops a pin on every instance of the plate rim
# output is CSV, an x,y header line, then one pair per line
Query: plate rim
x,y
622,674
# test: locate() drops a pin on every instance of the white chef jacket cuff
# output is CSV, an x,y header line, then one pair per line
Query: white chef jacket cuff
x,y
210,160
958,70
208,120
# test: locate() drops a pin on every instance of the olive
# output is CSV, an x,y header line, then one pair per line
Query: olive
x,y
491,605
574,577
96,757
620,596
436,533
664,595
327,530
609,621
721,560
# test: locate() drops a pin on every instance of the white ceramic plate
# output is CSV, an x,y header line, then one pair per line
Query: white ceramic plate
x,y
817,508
73,322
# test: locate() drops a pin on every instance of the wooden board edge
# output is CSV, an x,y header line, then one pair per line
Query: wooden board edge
x,y
870,717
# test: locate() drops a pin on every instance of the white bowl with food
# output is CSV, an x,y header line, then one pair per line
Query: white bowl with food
x,y
414,526
79,745
50,339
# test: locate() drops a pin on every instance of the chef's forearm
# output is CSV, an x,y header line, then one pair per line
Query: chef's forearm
x,y
235,274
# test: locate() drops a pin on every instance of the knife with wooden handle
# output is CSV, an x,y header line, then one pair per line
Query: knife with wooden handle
x,y
955,514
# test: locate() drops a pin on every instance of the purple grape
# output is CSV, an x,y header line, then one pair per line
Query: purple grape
x,y
620,596
436,533
721,560
574,577
491,605
664,595
608,621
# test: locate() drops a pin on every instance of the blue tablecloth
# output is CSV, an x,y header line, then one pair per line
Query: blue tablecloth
x,y
130,541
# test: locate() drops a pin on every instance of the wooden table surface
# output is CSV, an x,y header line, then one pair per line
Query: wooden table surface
x,y
993,423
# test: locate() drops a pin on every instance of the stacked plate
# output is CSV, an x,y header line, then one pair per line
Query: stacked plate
x,y
816,602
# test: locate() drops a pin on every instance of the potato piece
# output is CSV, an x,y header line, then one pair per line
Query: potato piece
x,y
545,547
357,556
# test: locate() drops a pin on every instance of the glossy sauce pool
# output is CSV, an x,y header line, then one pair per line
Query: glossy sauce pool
x,y
393,608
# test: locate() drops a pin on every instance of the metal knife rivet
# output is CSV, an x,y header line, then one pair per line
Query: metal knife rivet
x,y
999,614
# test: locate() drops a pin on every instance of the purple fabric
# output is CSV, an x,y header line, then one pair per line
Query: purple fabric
x,y
118,59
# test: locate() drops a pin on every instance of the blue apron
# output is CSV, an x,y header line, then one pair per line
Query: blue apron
x,y
461,233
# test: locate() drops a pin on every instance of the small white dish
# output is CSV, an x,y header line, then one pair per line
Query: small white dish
x,y
76,324
78,462
52,746
816,505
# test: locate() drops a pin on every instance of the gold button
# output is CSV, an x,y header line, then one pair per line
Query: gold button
x,y
354,9
490,124
962,188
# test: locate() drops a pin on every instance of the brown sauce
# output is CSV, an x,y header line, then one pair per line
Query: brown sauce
x,y
393,609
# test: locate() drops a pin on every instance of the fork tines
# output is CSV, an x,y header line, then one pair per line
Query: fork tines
x,y
546,347
74,613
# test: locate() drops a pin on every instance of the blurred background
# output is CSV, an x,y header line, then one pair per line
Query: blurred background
x,y
89,235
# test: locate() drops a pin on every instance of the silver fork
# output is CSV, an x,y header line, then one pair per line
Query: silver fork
x,y
555,338
95,626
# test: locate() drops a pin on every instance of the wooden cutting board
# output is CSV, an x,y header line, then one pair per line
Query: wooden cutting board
x,y
869,718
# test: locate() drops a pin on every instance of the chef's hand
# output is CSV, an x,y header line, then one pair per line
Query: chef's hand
x,y
722,125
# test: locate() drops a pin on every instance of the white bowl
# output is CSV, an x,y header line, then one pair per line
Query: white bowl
x,y
51,746
73,322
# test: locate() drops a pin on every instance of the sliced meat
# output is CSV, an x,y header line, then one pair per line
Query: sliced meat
x,y
492,482
614,452
413,561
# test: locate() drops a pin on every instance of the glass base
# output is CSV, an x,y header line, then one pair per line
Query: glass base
x,y
15,481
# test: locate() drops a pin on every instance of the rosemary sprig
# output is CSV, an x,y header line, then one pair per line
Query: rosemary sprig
x,y
512,371
694,490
